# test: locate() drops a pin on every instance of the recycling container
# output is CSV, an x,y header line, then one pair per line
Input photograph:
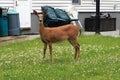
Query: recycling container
x,y
3,25
13,23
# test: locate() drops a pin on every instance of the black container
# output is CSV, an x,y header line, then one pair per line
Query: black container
x,y
106,24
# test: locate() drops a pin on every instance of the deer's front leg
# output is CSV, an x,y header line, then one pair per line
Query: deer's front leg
x,y
50,48
44,51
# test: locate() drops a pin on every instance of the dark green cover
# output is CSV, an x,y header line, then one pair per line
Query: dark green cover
x,y
55,17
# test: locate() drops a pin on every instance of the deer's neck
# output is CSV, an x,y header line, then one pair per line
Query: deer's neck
x,y
41,28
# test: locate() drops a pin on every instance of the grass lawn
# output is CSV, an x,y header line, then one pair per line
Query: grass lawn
x,y
99,60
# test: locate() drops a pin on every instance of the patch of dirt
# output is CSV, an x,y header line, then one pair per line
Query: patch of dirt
x,y
9,39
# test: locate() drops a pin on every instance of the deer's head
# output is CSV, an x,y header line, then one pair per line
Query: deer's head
x,y
40,15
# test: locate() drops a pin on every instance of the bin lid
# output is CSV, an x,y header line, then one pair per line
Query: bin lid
x,y
3,15
12,12
3,8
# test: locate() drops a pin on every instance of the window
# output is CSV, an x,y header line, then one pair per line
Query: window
x,y
75,1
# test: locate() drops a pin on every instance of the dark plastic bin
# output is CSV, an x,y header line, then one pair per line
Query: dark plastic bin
x,y
3,25
13,23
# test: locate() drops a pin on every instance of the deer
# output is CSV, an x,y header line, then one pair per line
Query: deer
x,y
50,35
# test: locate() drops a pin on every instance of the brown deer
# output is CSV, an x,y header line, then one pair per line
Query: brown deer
x,y
56,34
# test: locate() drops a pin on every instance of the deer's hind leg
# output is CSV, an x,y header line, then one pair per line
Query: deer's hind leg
x,y
76,45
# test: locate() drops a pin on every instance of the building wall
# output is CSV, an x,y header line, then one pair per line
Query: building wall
x,y
83,6
63,4
105,5
7,4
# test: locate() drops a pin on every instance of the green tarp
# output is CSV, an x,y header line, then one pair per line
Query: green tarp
x,y
55,17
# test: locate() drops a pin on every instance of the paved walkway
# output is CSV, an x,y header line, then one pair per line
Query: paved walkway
x,y
107,33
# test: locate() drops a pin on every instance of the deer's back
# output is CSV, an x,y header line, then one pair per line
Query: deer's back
x,y
60,33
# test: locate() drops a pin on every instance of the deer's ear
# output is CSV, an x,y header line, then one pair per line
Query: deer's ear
x,y
45,12
35,12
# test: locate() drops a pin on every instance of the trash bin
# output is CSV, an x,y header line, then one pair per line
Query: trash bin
x,y
3,25
13,23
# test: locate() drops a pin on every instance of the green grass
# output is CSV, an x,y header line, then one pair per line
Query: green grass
x,y
99,60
